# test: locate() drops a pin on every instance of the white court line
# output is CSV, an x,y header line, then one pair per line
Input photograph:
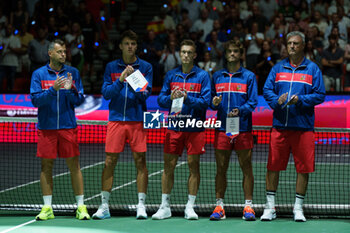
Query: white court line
x,y
37,181
131,182
16,227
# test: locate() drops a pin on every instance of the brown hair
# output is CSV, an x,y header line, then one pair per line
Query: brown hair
x,y
189,43
235,43
129,34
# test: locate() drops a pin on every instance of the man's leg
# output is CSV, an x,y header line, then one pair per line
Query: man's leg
x,y
245,162
46,184
107,183
301,187
272,178
222,164
170,161
193,185
142,182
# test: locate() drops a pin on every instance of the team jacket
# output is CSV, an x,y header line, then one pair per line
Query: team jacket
x,y
306,82
126,104
197,84
238,90
55,108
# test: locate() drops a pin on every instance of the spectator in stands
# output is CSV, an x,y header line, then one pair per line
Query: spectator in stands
x,y
222,36
24,61
258,18
10,49
90,33
341,42
319,22
193,7
265,62
253,42
203,26
170,58
213,14
332,62
335,22
3,23
312,53
185,21
62,21
181,33
231,18
275,30
37,50
207,64
237,32
268,8
19,16
347,67
215,48
150,51
303,25
315,38
76,43
287,9
168,21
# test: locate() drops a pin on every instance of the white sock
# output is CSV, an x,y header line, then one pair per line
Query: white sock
x,y
105,197
299,199
270,196
165,199
248,203
191,200
47,200
142,198
79,199
220,202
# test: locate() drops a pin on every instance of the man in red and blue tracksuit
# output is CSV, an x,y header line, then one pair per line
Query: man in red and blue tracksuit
x,y
292,89
56,89
234,92
189,85
126,110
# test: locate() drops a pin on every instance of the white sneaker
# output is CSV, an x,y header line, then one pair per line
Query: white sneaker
x,y
141,212
190,214
268,215
162,213
102,212
298,214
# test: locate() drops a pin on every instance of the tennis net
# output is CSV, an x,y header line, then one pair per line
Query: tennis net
x,y
328,190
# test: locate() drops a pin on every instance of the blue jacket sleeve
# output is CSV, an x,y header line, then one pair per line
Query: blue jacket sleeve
x,y
163,99
269,90
110,88
76,95
250,105
149,77
203,101
318,93
38,96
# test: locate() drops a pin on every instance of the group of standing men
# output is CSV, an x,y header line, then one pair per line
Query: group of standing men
x,y
293,87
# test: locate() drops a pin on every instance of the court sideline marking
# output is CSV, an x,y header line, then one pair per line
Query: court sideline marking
x,y
18,226
132,182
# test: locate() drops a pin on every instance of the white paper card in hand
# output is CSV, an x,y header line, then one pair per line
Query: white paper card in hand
x,y
232,126
137,81
176,106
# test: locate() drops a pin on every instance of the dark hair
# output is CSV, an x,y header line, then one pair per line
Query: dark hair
x,y
129,34
56,41
235,43
188,42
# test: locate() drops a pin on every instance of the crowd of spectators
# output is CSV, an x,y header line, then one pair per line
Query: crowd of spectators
x,y
261,26
27,26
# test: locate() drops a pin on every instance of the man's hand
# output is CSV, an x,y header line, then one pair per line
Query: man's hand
x,y
233,113
217,100
293,100
176,93
68,81
282,98
59,82
127,71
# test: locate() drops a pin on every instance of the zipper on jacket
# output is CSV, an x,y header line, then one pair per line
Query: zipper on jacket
x,y
229,95
58,107
289,94
126,98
